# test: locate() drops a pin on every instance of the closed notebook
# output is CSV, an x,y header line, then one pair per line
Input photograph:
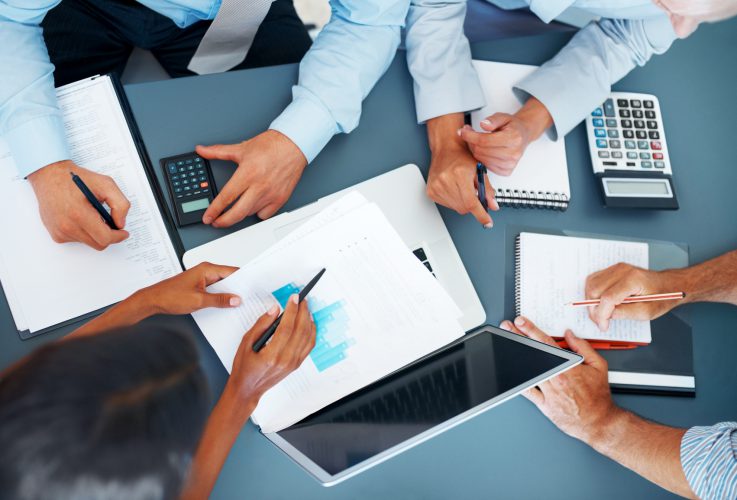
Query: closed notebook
x,y
551,271
540,179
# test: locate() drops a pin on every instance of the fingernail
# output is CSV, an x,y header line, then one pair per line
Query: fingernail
x,y
294,299
459,132
206,220
519,321
274,309
505,324
312,318
234,301
486,122
488,225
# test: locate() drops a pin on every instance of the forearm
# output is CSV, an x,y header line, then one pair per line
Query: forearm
x,y
712,281
442,133
222,429
536,116
128,312
649,449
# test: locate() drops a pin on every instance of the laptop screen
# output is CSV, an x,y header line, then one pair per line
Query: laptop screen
x,y
409,402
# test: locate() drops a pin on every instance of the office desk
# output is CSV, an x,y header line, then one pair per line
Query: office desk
x,y
511,451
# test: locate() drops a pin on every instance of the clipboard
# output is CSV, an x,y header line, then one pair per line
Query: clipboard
x,y
156,190
663,367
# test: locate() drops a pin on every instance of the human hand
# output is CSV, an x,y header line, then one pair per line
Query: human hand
x,y
269,167
187,292
577,401
453,183
506,136
254,373
615,283
68,215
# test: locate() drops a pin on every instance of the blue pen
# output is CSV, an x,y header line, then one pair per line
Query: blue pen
x,y
94,202
480,173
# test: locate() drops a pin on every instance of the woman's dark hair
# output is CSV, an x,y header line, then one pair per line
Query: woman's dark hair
x,y
114,415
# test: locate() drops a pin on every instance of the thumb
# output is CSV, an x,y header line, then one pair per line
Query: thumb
x,y
260,326
219,152
119,235
580,346
220,300
495,121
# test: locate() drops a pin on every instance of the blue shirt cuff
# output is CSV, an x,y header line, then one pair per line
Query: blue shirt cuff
x,y
37,143
308,124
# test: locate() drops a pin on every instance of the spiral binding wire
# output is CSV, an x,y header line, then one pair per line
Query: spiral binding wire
x,y
517,277
531,199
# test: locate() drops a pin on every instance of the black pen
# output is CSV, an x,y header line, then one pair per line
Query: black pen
x,y
480,173
263,339
94,201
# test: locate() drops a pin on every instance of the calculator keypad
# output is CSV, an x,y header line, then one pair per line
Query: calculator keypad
x,y
188,178
627,127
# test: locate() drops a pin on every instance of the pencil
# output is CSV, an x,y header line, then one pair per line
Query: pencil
x,y
634,299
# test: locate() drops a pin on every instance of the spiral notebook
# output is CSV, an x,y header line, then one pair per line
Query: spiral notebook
x,y
541,177
551,271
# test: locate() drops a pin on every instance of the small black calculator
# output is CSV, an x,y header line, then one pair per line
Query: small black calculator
x,y
191,186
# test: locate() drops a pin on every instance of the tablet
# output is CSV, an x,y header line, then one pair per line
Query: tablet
x,y
445,388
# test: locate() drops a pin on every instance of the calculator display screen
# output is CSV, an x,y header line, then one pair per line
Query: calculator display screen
x,y
191,206
637,187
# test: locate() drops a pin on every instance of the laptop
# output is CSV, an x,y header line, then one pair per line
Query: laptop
x,y
435,393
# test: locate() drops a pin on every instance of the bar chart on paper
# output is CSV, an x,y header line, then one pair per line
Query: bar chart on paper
x,y
332,323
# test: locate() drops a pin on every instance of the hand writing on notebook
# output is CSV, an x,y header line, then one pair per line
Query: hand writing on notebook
x,y
506,136
452,179
269,167
615,283
67,214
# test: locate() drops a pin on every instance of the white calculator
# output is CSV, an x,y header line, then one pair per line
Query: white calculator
x,y
629,153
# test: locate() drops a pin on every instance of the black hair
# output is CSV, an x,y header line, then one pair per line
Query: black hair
x,y
113,415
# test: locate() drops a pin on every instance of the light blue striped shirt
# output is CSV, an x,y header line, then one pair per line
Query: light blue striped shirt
x,y
709,460
347,59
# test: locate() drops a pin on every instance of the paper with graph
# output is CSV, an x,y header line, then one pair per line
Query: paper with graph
x,y
377,308
551,271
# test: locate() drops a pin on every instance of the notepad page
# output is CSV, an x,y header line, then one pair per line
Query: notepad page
x,y
552,271
51,283
543,166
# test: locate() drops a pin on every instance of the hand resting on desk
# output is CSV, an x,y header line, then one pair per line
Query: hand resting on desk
x,y
68,215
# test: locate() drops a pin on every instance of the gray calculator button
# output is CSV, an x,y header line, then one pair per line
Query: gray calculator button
x,y
622,103
616,154
176,183
641,134
181,169
650,114
643,145
180,196
191,167
629,144
205,190
177,190
188,161
185,181
652,124
187,188
627,123
172,167
603,154
659,164
637,113
654,134
628,134
180,163
646,164
197,192
639,124
203,178
613,133
631,155
635,103
198,159
611,122
644,156
649,104
188,194
174,177
608,107
192,174
200,172
624,113
615,144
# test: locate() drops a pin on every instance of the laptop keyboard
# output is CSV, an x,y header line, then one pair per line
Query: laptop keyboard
x,y
420,254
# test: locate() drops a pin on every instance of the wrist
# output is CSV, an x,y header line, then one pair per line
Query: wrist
x,y
143,304
239,402
35,176
442,133
607,434
535,116
285,145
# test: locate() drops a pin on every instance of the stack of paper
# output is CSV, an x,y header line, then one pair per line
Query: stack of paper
x,y
377,308
46,283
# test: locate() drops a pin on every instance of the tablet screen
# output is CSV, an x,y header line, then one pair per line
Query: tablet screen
x,y
428,393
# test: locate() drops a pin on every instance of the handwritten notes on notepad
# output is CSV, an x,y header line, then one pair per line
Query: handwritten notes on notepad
x,y
48,283
376,309
551,271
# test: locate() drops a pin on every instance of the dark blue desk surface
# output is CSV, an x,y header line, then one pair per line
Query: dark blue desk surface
x,y
511,451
